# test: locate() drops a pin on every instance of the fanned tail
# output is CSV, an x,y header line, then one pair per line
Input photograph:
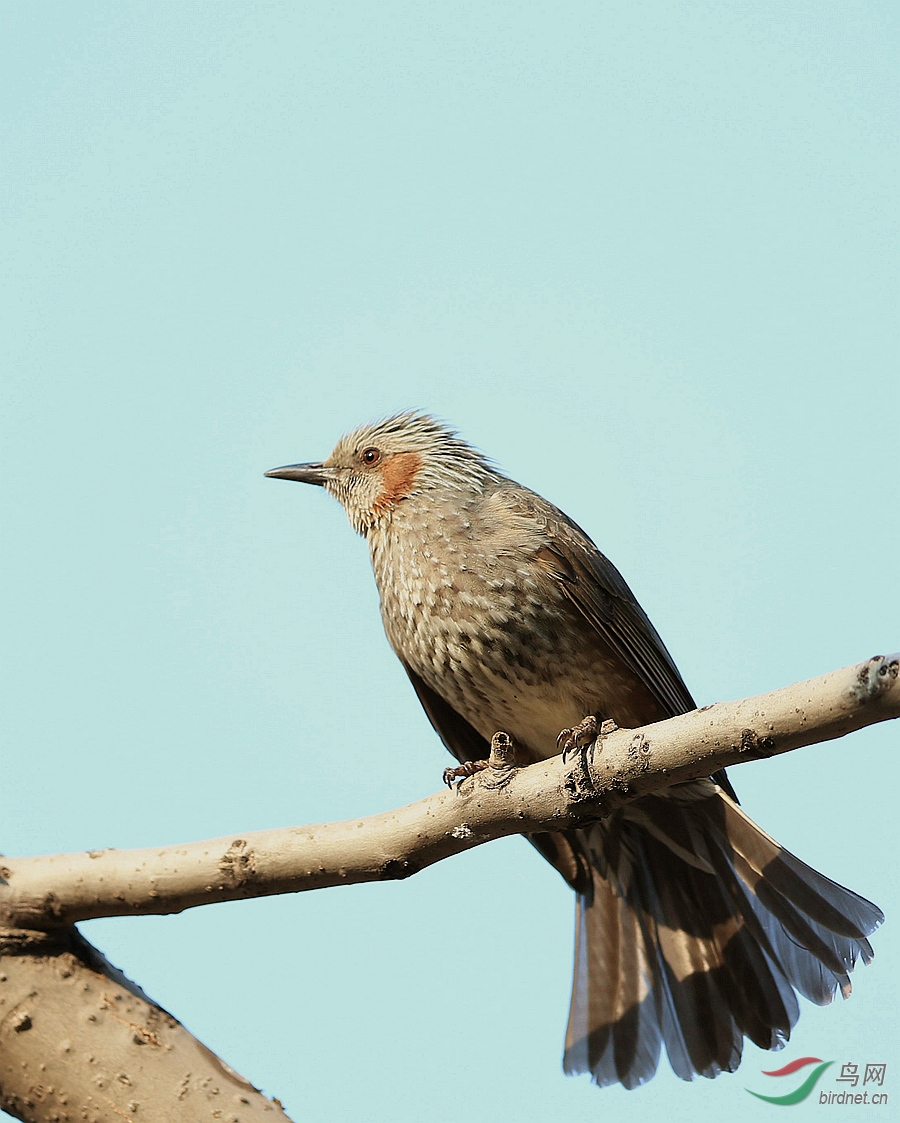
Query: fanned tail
x,y
697,931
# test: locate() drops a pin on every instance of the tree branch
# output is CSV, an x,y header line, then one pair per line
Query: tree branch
x,y
49,892
77,1040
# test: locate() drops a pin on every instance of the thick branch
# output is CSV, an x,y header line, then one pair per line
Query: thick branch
x,y
78,1041
43,892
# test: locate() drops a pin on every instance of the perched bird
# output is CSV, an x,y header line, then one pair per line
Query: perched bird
x,y
694,927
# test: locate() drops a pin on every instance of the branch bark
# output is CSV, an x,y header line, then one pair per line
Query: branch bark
x,y
48,892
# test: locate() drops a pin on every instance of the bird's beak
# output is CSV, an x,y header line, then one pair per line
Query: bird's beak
x,y
303,473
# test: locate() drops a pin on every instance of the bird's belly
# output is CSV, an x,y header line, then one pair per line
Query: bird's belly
x,y
534,716
533,719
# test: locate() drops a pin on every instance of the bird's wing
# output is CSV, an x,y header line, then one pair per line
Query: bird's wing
x,y
563,850
594,585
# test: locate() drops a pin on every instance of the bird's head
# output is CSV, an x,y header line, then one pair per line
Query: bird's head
x,y
376,467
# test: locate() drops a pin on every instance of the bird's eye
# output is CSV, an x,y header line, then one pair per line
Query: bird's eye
x,y
371,456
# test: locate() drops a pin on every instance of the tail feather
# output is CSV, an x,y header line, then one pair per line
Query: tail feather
x,y
697,931
709,975
807,974
803,933
614,973
849,915
770,1006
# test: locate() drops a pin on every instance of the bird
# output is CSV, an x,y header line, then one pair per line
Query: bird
x,y
694,928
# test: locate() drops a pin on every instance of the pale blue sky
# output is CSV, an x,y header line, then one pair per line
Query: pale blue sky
x,y
645,256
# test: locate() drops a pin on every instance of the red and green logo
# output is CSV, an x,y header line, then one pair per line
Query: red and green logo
x,y
799,1094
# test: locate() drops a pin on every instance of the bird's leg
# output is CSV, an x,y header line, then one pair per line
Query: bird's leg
x,y
584,735
502,761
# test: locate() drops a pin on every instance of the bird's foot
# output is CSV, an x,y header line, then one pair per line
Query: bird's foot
x,y
584,735
466,769
580,735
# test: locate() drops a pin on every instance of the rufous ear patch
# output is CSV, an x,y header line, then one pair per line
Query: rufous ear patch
x,y
398,474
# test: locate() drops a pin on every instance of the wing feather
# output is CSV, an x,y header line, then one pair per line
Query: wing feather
x,y
596,588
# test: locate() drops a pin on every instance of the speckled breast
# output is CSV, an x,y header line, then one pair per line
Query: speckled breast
x,y
480,622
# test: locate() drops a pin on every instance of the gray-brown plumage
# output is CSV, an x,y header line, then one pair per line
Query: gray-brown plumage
x,y
694,928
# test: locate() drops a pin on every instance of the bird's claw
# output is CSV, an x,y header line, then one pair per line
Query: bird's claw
x,y
584,734
463,771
